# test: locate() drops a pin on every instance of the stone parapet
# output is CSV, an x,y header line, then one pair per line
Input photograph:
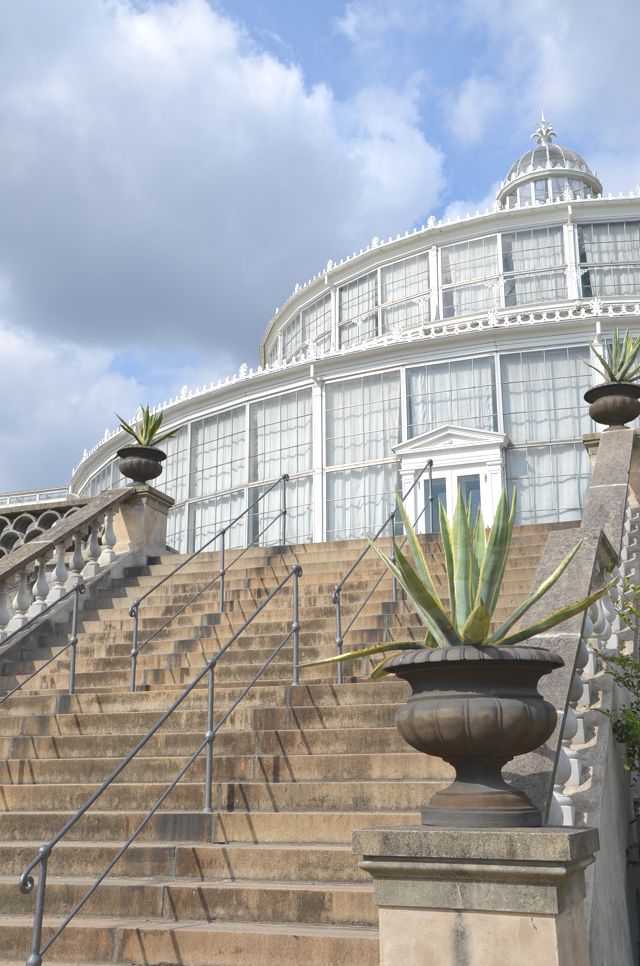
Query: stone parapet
x,y
479,897
140,525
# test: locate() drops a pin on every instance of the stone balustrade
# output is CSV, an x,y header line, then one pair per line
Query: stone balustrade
x,y
75,548
131,521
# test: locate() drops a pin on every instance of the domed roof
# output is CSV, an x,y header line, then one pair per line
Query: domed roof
x,y
548,159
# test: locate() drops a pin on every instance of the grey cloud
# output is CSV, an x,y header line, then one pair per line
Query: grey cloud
x,y
162,177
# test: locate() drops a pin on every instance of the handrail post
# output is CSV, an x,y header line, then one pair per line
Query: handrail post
x,y
35,959
394,586
77,590
222,570
295,626
210,737
339,639
283,511
133,610
431,517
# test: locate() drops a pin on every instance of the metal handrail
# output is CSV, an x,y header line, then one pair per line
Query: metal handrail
x,y
74,592
134,610
27,882
340,632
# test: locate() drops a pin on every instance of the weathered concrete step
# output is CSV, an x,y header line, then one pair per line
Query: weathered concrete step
x,y
227,673
306,828
325,695
195,861
270,768
189,654
163,827
247,901
228,796
311,741
141,943
379,715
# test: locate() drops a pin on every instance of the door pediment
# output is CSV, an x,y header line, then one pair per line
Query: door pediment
x,y
446,439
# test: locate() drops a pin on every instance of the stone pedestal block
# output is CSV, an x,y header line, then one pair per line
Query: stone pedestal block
x,y
140,523
479,897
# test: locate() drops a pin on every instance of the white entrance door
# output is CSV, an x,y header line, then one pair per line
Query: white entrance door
x,y
471,460
443,488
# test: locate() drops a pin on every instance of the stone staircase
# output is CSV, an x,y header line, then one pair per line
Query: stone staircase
x,y
269,878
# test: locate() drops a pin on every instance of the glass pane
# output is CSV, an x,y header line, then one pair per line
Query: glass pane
x,y
432,510
470,488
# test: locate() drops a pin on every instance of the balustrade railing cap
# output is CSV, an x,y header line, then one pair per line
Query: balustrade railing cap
x,y
15,561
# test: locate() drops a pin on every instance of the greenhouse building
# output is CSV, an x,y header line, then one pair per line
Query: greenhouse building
x,y
460,345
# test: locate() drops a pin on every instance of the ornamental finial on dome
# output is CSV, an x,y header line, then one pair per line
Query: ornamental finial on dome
x,y
544,131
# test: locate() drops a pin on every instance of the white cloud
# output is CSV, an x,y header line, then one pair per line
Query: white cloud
x,y
164,184
472,107
161,173
578,63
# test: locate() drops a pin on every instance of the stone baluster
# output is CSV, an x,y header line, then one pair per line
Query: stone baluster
x,y
21,602
6,610
40,589
562,810
108,541
60,574
77,563
92,566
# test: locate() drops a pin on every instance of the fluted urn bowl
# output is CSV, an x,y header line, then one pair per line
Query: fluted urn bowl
x,y
140,463
476,708
614,404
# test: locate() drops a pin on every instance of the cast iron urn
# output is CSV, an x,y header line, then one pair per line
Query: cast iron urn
x,y
614,404
477,708
141,463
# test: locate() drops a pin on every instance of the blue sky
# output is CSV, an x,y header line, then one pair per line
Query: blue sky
x,y
171,169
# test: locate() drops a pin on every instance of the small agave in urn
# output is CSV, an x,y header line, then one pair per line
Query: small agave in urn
x,y
475,701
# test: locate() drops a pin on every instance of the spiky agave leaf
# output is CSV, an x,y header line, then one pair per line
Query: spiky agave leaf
x,y
477,625
478,551
618,359
449,565
146,432
558,617
496,554
462,564
546,585
430,611
366,652
422,567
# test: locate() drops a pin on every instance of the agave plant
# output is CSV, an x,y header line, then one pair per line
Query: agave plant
x,y
145,430
475,564
619,358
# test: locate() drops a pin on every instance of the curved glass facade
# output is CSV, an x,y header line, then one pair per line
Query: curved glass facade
x,y
532,266
356,385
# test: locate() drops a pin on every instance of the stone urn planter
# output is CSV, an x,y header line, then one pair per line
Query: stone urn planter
x,y
476,708
141,463
614,404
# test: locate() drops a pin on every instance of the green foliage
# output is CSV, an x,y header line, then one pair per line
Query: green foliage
x,y
146,430
625,671
475,564
619,358
625,721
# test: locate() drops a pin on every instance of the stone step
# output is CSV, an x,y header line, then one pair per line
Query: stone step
x,y
239,861
312,903
188,943
310,741
269,768
245,717
310,827
325,695
249,796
